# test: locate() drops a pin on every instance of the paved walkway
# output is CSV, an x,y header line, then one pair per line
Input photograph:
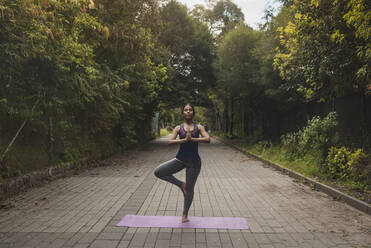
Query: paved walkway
x,y
82,210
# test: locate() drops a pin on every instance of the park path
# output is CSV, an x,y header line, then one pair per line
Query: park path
x,y
82,210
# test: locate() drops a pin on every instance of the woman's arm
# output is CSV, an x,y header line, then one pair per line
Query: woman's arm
x,y
205,136
173,140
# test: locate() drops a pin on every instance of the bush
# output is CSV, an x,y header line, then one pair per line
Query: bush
x,y
361,166
316,137
337,162
290,144
318,134
261,146
344,164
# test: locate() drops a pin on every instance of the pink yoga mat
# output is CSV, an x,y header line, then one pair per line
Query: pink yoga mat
x,y
131,220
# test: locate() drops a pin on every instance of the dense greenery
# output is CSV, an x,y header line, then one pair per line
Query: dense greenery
x,y
83,78
308,60
315,138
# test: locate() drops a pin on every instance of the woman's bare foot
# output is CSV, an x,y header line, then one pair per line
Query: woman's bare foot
x,y
185,219
183,188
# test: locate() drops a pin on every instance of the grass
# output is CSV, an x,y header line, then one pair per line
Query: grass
x,y
308,166
163,132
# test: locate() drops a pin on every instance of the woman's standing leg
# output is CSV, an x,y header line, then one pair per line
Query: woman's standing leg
x,y
166,170
191,178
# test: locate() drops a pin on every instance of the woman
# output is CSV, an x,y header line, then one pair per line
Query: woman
x,y
187,157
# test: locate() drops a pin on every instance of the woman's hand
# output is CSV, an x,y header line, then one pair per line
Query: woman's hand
x,y
188,135
172,139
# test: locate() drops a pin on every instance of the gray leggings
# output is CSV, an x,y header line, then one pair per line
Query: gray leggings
x,y
164,171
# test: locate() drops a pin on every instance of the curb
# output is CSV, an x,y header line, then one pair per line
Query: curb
x,y
358,204
20,184
35,178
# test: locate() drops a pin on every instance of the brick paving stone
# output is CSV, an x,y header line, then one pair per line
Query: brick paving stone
x,y
162,243
188,238
58,243
250,240
200,237
225,239
238,240
113,236
74,239
213,239
100,243
175,239
81,245
262,238
188,246
164,235
123,244
201,245
88,238
151,239
138,239
82,210
266,246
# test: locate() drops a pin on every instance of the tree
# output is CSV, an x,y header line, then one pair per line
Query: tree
x,y
221,16
359,16
81,73
319,51
190,47
46,59
237,69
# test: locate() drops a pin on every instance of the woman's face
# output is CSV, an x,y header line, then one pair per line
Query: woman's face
x,y
188,112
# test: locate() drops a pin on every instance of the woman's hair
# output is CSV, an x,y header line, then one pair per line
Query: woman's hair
x,y
193,108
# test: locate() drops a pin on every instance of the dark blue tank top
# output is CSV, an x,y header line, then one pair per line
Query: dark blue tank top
x,y
188,151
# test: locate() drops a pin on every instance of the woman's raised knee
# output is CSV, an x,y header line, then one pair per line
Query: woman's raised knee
x,y
157,173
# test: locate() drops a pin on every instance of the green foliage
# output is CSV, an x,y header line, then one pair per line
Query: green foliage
x,y
71,153
221,16
319,54
290,143
163,132
189,56
236,68
313,167
90,68
262,146
344,164
337,162
96,71
255,137
307,165
225,16
236,62
359,17
316,137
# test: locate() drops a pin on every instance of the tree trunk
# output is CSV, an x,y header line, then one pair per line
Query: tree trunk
x,y
248,119
218,122
243,122
232,118
50,139
226,117
3,167
217,118
365,125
